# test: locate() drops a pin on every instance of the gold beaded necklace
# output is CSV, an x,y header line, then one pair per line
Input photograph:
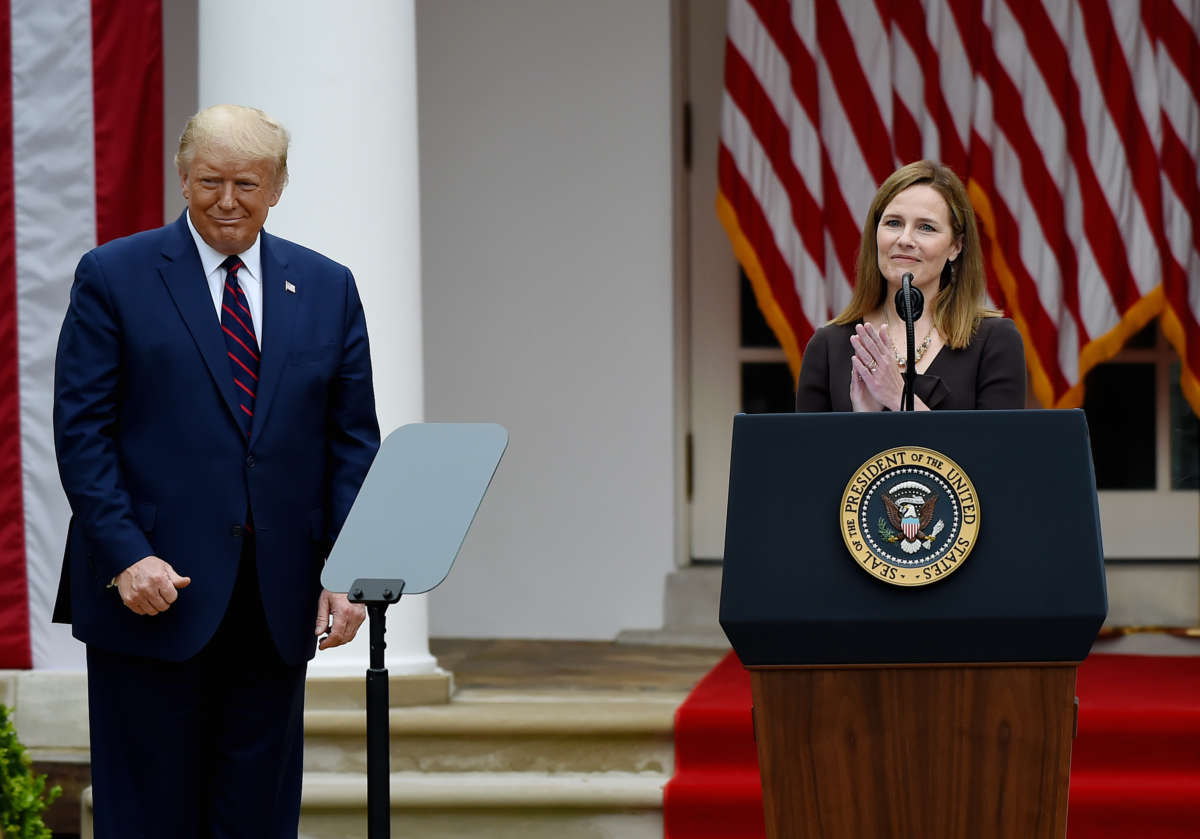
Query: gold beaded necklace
x,y
902,361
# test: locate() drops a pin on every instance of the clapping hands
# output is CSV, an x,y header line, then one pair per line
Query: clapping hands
x,y
875,379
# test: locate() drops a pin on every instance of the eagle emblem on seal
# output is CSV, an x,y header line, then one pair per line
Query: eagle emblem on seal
x,y
910,509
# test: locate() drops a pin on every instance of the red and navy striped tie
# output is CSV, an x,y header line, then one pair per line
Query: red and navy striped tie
x,y
240,341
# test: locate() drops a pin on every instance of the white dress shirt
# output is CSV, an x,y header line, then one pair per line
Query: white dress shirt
x,y
250,275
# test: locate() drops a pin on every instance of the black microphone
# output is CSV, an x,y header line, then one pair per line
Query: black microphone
x,y
910,303
918,299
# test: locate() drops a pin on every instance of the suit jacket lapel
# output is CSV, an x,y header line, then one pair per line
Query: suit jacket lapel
x,y
184,278
279,316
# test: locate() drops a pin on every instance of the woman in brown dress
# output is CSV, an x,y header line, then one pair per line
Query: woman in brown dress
x,y
967,356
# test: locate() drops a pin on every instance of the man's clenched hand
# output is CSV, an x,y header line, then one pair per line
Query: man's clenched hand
x,y
150,585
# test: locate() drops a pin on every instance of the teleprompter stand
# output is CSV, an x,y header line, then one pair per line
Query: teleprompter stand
x,y
401,537
377,595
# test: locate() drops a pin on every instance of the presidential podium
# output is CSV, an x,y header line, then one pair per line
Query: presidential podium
x,y
912,594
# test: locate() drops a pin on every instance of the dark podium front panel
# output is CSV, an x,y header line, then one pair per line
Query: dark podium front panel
x,y
1031,590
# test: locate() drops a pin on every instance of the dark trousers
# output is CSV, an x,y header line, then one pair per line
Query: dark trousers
x,y
208,748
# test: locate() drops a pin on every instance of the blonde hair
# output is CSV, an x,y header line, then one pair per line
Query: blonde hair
x,y
247,132
958,306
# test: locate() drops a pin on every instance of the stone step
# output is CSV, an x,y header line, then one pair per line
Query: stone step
x,y
692,598
342,692
691,604
515,805
495,731
709,639
51,716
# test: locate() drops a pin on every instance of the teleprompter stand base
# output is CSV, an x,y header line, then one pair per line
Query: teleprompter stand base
x,y
377,595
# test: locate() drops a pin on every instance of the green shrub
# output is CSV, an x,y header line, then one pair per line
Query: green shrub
x,y
23,795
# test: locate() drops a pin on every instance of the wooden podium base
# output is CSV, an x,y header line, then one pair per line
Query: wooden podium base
x,y
915,751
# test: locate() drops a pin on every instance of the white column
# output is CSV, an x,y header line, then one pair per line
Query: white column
x,y
342,78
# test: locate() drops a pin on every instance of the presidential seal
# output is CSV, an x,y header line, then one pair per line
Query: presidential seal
x,y
910,516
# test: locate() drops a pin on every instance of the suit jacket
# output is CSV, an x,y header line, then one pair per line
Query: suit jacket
x,y
989,373
153,460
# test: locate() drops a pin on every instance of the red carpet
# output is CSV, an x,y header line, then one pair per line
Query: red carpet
x,y
1135,768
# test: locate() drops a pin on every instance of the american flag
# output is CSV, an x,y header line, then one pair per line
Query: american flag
x,y
1074,123
81,162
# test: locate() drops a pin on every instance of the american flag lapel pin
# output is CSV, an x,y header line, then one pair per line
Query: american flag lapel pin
x,y
288,287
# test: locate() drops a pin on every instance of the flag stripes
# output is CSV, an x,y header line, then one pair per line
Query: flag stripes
x,y
80,162
1075,124
14,600
127,93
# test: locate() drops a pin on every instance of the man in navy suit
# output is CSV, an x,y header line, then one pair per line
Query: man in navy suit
x,y
213,418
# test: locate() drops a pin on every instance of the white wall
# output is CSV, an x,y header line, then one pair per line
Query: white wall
x,y
545,144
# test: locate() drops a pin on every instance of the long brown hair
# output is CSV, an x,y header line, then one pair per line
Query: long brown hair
x,y
958,306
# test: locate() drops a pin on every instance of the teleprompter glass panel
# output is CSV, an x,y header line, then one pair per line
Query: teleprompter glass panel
x,y
1120,407
1185,438
767,388
419,497
754,331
